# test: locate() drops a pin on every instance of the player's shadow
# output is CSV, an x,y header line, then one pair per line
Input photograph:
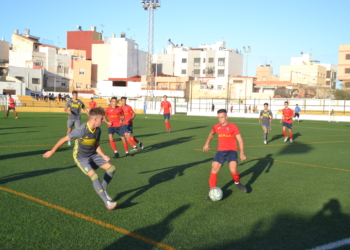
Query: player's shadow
x,y
30,174
164,175
261,165
295,148
19,133
4,129
296,135
291,231
173,131
156,232
276,137
29,153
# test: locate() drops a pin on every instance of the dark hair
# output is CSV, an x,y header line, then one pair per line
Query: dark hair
x,y
91,98
74,92
123,97
165,96
114,98
97,111
286,102
266,104
297,104
222,111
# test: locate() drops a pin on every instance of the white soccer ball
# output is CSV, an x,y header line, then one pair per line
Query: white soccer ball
x,y
215,194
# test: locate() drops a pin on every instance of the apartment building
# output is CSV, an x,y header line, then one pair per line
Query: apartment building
x,y
344,65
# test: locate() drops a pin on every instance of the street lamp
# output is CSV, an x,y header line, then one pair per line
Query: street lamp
x,y
248,50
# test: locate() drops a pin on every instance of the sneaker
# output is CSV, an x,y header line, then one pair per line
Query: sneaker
x,y
169,130
69,143
285,139
241,187
134,149
141,145
128,155
108,197
291,140
16,117
265,142
116,155
111,205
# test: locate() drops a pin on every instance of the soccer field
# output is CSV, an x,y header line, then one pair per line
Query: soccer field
x,y
298,194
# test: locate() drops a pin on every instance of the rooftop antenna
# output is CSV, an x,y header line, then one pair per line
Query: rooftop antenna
x,y
79,28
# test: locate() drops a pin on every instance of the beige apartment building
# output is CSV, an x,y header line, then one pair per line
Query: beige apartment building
x,y
81,74
265,73
344,65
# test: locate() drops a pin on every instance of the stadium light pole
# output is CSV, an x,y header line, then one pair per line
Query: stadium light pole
x,y
248,50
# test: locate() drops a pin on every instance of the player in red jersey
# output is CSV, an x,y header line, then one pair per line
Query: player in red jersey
x,y
287,118
129,115
115,117
92,103
228,133
167,112
12,106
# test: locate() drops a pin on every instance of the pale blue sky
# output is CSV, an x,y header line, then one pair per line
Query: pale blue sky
x,y
275,30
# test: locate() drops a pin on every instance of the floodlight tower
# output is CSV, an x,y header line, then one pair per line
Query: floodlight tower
x,y
150,6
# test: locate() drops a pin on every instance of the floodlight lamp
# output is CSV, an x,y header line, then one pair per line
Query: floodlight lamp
x,y
249,48
244,49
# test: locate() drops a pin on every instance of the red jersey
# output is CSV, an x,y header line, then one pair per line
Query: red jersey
x,y
92,104
226,136
128,111
114,115
287,113
12,102
166,106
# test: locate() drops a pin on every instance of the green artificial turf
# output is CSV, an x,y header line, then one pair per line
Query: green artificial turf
x,y
298,193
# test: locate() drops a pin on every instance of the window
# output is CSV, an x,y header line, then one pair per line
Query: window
x,y
184,60
210,71
178,86
63,84
59,66
203,71
81,71
196,72
35,80
347,57
87,86
347,84
221,62
20,78
203,60
197,62
39,63
334,75
328,82
183,72
328,74
78,85
238,81
347,71
221,73
164,86
211,60
119,84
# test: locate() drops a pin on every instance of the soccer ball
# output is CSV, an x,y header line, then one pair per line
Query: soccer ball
x,y
215,194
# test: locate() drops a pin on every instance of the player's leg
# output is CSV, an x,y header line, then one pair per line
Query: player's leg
x,y
138,142
232,163
70,124
290,133
218,161
284,132
126,146
167,123
112,143
77,123
129,137
8,111
16,115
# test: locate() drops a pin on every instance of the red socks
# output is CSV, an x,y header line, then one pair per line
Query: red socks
x,y
113,146
290,135
135,140
285,133
212,180
236,177
131,141
126,147
167,125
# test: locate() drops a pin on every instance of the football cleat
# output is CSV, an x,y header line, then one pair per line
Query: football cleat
x,y
69,143
134,149
128,155
108,197
116,155
111,205
241,187
285,139
141,145
291,140
265,142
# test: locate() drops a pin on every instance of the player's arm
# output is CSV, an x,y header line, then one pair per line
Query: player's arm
x,y
100,152
57,146
282,117
170,110
85,109
271,117
210,137
260,117
241,147
67,109
106,121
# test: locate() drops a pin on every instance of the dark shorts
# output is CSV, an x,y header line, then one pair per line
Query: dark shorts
x,y
118,130
89,163
296,115
288,125
222,156
13,108
167,116
127,128
75,123
267,127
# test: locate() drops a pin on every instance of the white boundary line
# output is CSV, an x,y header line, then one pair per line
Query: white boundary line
x,y
333,245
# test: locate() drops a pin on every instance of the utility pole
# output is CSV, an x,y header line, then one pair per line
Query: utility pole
x,y
246,74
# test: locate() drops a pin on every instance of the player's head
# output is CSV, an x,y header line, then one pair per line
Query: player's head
x,y
222,116
10,95
92,98
286,104
165,97
296,105
75,94
96,116
114,102
266,105
123,99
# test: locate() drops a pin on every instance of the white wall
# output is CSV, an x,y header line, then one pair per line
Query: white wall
x,y
19,87
28,74
4,50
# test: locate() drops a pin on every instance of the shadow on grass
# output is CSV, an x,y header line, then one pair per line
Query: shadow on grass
x,y
261,165
30,174
19,133
165,174
276,137
156,232
291,231
30,153
296,147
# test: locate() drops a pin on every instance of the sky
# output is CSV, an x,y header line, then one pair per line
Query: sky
x,y
275,30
